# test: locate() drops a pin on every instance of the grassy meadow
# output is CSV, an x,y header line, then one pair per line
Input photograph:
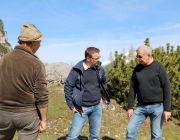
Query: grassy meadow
x,y
113,127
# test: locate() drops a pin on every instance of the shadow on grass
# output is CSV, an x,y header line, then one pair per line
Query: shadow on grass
x,y
107,138
86,138
80,138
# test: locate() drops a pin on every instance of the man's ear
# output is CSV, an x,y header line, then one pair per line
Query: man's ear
x,y
149,55
32,43
88,58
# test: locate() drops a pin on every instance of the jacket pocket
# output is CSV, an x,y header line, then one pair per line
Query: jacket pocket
x,y
74,96
77,98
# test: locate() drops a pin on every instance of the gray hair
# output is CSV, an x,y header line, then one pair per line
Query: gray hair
x,y
146,49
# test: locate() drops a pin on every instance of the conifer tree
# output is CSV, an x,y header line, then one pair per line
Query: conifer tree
x,y
120,74
119,78
110,65
147,43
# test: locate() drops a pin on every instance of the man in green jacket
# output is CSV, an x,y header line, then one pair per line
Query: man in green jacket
x,y
23,88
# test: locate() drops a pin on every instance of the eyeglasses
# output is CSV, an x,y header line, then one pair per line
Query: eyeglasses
x,y
96,58
139,56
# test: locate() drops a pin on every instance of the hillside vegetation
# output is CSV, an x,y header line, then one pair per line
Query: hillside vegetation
x,y
114,122
120,72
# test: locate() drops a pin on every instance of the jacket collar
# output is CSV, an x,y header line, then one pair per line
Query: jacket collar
x,y
19,47
80,66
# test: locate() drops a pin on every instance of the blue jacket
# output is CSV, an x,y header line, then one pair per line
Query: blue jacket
x,y
74,85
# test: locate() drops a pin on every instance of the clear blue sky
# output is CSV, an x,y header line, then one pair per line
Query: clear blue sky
x,y
70,26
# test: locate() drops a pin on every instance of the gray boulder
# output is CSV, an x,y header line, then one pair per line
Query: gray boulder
x,y
56,73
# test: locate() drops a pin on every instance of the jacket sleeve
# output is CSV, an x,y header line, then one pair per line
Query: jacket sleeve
x,y
165,83
104,79
132,94
40,86
69,86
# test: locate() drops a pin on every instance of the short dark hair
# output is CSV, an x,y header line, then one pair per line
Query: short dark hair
x,y
90,51
24,42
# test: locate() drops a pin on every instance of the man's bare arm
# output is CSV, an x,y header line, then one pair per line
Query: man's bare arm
x,y
43,124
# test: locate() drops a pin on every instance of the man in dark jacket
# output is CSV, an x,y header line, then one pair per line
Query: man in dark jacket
x,y
151,84
23,88
83,96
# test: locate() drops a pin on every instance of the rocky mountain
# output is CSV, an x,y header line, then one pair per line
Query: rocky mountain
x,y
56,73
5,46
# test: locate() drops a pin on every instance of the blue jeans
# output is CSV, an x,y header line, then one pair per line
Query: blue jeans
x,y
155,112
94,114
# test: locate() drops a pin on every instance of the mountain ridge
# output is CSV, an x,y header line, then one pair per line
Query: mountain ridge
x,y
5,46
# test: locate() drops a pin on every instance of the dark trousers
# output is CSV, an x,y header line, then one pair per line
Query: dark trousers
x,y
26,124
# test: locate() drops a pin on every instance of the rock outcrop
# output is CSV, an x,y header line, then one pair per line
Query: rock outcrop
x,y
56,73
5,47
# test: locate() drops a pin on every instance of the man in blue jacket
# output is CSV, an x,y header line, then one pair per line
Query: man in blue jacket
x,y
83,94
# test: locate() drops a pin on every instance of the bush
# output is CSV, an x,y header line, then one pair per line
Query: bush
x,y
120,74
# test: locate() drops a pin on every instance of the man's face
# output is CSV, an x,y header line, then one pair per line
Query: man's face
x,y
94,60
143,58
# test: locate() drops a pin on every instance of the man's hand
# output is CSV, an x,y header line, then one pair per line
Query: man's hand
x,y
167,115
75,109
101,101
43,126
130,112
43,116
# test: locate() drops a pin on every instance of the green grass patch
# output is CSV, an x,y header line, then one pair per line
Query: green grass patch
x,y
114,121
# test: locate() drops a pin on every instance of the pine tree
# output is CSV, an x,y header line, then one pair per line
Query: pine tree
x,y
147,43
120,74
119,78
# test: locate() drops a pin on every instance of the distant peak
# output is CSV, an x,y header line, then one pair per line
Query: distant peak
x,y
1,25
105,63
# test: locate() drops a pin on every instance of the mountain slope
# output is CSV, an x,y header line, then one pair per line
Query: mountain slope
x,y
5,47
114,122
